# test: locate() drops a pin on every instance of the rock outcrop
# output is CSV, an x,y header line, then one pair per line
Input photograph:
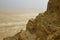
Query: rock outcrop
x,y
46,26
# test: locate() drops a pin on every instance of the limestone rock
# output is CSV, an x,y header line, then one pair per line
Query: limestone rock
x,y
46,26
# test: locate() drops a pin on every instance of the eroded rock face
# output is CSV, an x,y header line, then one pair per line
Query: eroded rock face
x,y
54,5
46,26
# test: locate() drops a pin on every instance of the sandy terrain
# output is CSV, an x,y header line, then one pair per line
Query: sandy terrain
x,y
12,22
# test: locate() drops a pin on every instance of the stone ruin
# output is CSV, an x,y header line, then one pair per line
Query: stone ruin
x,y
46,26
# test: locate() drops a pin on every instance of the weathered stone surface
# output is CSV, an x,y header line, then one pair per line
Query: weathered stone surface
x,y
46,26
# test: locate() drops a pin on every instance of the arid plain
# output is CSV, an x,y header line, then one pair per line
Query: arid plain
x,y
12,21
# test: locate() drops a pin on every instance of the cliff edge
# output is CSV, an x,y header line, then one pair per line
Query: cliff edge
x,y
46,26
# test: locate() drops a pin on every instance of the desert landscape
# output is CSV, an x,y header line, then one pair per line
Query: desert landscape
x,y
31,24
12,21
46,26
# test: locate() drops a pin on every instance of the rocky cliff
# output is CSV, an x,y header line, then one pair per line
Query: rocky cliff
x,y
46,26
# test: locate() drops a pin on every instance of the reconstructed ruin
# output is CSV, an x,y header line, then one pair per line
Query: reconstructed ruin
x,y
46,26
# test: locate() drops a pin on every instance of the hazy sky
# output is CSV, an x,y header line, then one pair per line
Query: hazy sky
x,y
34,4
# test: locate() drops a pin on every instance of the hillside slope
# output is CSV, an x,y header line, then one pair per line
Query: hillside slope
x,y
46,26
